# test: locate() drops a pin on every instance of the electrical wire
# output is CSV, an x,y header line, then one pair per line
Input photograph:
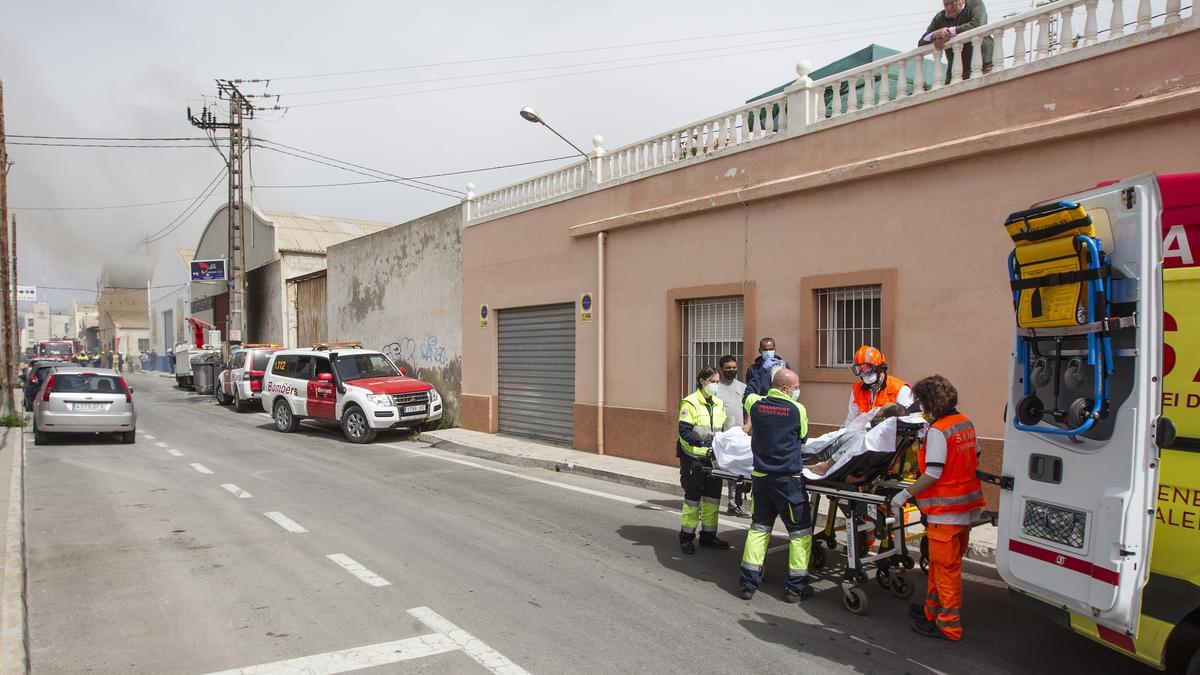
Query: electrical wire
x,y
99,208
591,49
101,145
404,180
182,218
431,175
363,173
108,138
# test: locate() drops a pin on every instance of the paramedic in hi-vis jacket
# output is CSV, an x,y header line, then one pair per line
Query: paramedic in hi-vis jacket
x,y
701,415
877,388
950,497
779,427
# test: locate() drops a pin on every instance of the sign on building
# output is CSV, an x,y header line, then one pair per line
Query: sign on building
x,y
26,293
208,270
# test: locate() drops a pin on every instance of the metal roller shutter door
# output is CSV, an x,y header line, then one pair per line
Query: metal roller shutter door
x,y
537,372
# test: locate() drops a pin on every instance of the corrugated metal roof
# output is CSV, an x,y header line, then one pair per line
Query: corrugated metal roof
x,y
313,234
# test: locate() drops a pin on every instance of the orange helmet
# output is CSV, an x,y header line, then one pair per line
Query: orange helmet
x,y
868,360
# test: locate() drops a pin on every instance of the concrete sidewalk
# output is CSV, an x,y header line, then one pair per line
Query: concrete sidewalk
x,y
658,477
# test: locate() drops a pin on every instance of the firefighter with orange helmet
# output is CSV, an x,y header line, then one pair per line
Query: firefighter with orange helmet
x,y
876,387
950,496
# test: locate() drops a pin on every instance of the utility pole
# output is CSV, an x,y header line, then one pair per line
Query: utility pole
x,y
7,361
240,109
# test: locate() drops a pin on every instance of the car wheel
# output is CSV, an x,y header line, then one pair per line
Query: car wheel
x,y
220,394
40,437
285,420
128,437
356,427
238,404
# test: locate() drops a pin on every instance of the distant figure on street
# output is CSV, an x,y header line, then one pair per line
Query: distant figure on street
x,y
759,374
958,16
120,362
171,360
731,392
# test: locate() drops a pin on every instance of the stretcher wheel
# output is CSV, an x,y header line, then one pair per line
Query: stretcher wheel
x,y
1030,410
1041,374
1079,412
818,556
900,586
883,579
1073,375
855,600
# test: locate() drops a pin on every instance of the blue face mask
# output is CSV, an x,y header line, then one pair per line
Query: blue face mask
x,y
768,354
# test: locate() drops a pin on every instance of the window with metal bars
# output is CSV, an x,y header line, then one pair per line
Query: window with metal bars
x,y
710,329
846,318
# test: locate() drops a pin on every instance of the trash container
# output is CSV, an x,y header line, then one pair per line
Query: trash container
x,y
203,377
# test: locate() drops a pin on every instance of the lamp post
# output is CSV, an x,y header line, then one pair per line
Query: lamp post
x,y
530,115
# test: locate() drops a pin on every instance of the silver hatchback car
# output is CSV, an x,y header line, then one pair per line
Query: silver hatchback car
x,y
81,401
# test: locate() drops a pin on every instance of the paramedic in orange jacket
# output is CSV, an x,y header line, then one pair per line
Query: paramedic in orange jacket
x,y
951,498
877,388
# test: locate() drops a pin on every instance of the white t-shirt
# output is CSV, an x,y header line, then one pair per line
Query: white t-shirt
x,y
904,397
935,460
731,395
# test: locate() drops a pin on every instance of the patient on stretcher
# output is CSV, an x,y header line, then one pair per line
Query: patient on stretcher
x,y
847,437
833,453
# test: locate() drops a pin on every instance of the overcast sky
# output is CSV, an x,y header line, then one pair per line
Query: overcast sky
x,y
130,69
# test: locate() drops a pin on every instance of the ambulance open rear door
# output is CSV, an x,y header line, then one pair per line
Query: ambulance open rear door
x,y
1080,458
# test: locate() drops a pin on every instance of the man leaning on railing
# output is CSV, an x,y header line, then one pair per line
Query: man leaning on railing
x,y
958,16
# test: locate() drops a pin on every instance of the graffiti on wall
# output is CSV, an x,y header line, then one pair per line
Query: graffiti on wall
x,y
430,351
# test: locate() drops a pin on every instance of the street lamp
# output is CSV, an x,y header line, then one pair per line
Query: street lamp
x,y
530,115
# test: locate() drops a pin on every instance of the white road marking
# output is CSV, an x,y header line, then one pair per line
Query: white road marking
x,y
236,491
147,436
174,453
354,567
355,658
484,655
929,668
285,522
201,468
161,444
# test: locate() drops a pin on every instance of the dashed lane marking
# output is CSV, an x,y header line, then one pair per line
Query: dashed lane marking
x,y
161,444
446,637
236,491
147,436
285,522
354,567
174,453
200,467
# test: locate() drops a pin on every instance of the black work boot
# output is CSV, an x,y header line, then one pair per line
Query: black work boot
x,y
687,542
745,592
712,541
796,596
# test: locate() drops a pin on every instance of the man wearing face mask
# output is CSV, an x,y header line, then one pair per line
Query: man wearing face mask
x,y
701,415
759,374
876,387
779,430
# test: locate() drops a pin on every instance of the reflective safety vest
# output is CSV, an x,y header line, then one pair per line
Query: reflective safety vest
x,y
959,489
891,389
704,415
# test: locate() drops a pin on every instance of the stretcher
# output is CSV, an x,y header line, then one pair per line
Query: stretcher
x,y
1062,288
861,490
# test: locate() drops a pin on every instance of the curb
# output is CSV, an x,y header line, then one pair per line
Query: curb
x,y
14,628
982,552
554,465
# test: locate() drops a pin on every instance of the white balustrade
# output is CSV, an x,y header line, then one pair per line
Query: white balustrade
x,y
1040,34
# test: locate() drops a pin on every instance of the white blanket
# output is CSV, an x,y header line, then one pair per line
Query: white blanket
x,y
732,453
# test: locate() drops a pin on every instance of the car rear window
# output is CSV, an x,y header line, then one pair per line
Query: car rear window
x,y
260,360
87,383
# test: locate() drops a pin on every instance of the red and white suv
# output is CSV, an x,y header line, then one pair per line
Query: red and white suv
x,y
241,383
361,389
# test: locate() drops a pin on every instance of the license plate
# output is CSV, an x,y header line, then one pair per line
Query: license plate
x,y
88,406
414,408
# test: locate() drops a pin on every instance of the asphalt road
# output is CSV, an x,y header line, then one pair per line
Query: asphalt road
x,y
159,557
